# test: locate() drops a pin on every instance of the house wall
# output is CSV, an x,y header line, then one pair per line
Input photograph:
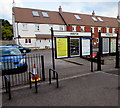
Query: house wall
x,y
30,33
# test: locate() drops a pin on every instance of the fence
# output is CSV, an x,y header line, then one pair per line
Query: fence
x,y
19,75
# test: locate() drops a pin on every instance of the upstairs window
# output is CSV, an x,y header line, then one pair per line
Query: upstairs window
x,y
24,26
94,18
77,17
100,19
61,28
37,27
35,13
74,28
45,14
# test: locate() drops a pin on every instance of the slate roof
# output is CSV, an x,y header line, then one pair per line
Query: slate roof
x,y
24,15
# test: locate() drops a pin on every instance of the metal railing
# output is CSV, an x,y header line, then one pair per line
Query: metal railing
x,y
22,78
7,86
56,77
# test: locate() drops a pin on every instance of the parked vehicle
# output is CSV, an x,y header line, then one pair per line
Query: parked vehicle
x,y
21,48
12,61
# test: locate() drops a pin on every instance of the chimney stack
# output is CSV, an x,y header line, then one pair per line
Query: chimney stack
x,y
93,13
60,9
118,17
13,4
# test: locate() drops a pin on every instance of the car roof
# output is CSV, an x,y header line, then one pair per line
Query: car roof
x,y
7,46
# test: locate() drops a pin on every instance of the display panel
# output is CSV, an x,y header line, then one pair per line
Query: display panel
x,y
113,45
74,47
61,47
85,46
105,45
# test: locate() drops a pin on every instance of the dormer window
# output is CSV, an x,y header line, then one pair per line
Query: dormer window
x,y
45,14
77,17
94,18
35,13
100,19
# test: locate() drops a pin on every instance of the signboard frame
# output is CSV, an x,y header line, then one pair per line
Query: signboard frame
x,y
57,50
85,38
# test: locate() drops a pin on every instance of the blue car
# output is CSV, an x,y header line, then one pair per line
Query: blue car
x,y
12,61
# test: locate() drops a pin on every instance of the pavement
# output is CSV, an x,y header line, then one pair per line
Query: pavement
x,y
78,85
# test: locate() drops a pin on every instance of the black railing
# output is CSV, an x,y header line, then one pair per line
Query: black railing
x,y
30,82
20,75
7,86
56,76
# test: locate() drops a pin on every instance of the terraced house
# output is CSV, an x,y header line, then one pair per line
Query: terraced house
x,y
32,26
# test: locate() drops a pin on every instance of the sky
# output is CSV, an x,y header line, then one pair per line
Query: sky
x,y
106,8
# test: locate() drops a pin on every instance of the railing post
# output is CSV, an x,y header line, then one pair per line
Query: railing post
x,y
117,52
6,85
43,69
30,80
99,53
91,51
36,85
9,90
53,58
49,76
57,80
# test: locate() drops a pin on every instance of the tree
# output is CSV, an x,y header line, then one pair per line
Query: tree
x,y
7,30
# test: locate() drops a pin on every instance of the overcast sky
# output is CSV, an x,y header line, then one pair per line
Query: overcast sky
x,y
101,8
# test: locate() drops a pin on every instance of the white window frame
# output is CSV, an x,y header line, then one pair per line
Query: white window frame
x,y
45,14
99,28
73,28
107,30
37,29
24,26
113,30
100,19
35,14
82,28
77,17
93,30
94,19
61,28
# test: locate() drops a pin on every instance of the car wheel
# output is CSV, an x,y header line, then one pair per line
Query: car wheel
x,y
24,51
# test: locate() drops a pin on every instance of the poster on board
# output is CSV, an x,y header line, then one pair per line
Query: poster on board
x,y
61,47
74,47
113,45
85,46
105,45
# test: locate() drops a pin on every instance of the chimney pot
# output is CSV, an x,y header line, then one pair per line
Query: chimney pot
x,y
60,9
93,13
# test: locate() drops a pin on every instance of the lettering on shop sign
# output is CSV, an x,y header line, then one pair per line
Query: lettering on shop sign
x,y
109,34
74,33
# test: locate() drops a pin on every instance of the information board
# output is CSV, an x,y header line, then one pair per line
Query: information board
x,y
105,45
74,47
61,47
85,46
113,45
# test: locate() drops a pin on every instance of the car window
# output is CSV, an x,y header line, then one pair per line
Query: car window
x,y
9,51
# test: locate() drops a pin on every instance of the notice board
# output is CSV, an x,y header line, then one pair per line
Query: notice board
x,y
113,45
61,47
85,46
105,45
